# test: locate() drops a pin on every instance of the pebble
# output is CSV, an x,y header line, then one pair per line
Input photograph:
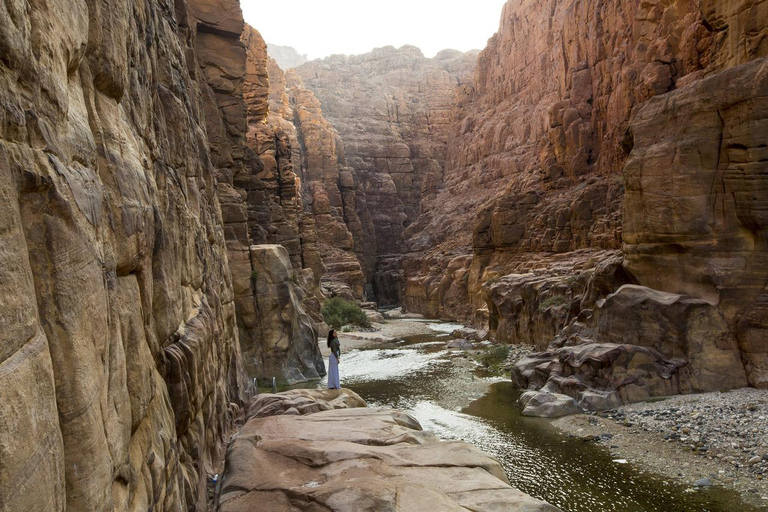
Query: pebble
x,y
704,482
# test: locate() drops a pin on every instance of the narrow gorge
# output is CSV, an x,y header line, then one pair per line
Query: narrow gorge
x,y
181,200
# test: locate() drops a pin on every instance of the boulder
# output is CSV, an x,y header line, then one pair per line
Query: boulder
x,y
547,405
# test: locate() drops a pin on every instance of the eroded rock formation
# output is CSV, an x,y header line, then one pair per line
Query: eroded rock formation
x,y
682,95
393,115
120,367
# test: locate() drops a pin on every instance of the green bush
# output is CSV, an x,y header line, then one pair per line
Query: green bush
x,y
338,312
495,356
555,300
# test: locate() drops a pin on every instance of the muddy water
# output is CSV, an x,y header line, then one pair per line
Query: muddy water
x,y
446,393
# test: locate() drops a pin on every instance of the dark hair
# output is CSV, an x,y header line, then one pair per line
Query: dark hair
x,y
331,335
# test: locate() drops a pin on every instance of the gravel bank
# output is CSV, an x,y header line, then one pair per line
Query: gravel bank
x,y
699,440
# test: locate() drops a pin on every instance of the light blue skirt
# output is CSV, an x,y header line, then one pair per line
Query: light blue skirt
x,y
333,373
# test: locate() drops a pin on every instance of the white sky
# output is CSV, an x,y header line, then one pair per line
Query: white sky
x,y
323,27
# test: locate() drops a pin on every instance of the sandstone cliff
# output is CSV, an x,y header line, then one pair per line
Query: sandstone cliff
x,y
670,93
285,56
500,197
392,109
120,368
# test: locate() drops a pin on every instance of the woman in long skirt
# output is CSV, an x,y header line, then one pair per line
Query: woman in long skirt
x,y
334,360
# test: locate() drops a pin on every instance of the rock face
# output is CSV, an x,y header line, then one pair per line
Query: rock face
x,y
286,56
696,209
352,459
120,368
288,338
638,343
564,98
393,116
542,134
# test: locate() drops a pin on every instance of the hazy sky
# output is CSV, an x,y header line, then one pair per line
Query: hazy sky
x,y
323,27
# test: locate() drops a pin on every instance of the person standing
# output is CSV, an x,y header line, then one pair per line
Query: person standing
x,y
334,360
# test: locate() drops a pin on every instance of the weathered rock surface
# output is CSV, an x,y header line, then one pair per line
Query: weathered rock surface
x,y
638,343
287,338
542,133
120,368
696,211
359,460
547,405
393,116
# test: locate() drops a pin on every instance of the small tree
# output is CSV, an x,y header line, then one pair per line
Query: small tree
x,y
338,312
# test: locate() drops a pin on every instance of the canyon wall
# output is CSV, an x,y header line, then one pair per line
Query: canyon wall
x,y
120,368
261,204
392,110
628,140
594,146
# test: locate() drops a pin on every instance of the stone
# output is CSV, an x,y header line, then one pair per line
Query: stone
x,y
547,405
670,225
312,459
678,327
393,117
460,343
704,482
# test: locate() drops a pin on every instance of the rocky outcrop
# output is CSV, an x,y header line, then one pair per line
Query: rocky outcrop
x,y
120,368
542,134
636,344
287,347
353,459
286,56
393,116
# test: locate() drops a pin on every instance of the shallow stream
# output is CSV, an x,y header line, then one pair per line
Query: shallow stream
x,y
445,391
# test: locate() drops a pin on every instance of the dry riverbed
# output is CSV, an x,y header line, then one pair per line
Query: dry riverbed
x,y
707,439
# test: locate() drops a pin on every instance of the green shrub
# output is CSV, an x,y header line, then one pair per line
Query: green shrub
x,y
555,300
495,356
338,312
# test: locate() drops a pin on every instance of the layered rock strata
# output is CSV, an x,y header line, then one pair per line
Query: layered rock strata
x,y
563,99
393,115
261,204
120,367
638,343
696,208
331,457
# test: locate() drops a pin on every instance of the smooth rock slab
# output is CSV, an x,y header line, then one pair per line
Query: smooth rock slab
x,y
360,460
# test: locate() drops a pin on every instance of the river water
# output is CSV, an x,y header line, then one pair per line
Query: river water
x,y
445,391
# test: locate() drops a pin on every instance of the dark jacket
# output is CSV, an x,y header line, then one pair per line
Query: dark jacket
x,y
336,347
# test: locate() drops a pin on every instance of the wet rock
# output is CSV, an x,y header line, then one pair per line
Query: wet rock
x,y
460,344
